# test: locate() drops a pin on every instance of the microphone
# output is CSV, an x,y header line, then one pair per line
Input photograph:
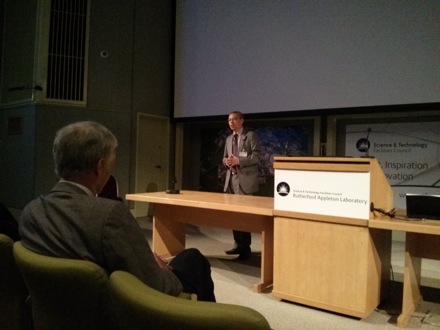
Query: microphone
x,y
172,190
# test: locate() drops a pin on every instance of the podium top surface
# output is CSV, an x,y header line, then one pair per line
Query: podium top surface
x,y
366,160
348,164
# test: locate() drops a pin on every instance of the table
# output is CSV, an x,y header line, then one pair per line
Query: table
x,y
422,241
239,212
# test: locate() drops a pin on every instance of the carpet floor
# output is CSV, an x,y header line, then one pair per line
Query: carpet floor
x,y
234,280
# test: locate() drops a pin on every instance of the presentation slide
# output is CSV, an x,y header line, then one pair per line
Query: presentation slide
x,y
409,155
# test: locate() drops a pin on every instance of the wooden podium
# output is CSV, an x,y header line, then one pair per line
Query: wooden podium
x,y
323,258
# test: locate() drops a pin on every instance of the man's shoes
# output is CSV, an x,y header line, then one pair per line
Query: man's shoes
x,y
244,255
234,250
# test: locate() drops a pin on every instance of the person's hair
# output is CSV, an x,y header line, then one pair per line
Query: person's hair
x,y
78,147
238,113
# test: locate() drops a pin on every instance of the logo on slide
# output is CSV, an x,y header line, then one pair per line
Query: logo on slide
x,y
283,189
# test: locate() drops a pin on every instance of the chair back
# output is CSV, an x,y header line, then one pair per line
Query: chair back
x,y
65,293
13,291
111,189
141,307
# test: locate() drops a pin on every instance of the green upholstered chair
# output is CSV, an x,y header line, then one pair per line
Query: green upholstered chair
x,y
14,313
65,293
141,307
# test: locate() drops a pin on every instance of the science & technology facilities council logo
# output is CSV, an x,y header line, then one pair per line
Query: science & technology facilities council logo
x,y
283,189
363,144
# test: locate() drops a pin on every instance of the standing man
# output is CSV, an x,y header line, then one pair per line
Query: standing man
x,y
241,157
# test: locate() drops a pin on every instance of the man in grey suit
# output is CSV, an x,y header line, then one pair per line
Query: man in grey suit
x,y
72,222
241,156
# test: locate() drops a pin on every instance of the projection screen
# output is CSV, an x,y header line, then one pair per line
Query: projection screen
x,y
262,56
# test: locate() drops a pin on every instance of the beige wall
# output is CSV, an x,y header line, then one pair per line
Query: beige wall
x,y
136,77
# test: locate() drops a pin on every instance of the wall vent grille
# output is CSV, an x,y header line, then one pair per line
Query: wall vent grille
x,y
67,53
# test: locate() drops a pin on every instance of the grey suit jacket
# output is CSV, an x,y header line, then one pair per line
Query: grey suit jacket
x,y
69,223
249,157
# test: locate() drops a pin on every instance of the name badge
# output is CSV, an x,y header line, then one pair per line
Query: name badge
x,y
243,154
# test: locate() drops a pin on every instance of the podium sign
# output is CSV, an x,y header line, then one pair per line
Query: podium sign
x,y
342,194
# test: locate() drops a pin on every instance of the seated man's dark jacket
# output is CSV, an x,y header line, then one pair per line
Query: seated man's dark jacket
x,y
70,223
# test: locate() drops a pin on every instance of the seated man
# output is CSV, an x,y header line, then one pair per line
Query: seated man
x,y
71,222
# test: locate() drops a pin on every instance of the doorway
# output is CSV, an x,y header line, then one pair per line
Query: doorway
x,y
152,159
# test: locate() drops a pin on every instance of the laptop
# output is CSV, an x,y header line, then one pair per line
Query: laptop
x,y
423,206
